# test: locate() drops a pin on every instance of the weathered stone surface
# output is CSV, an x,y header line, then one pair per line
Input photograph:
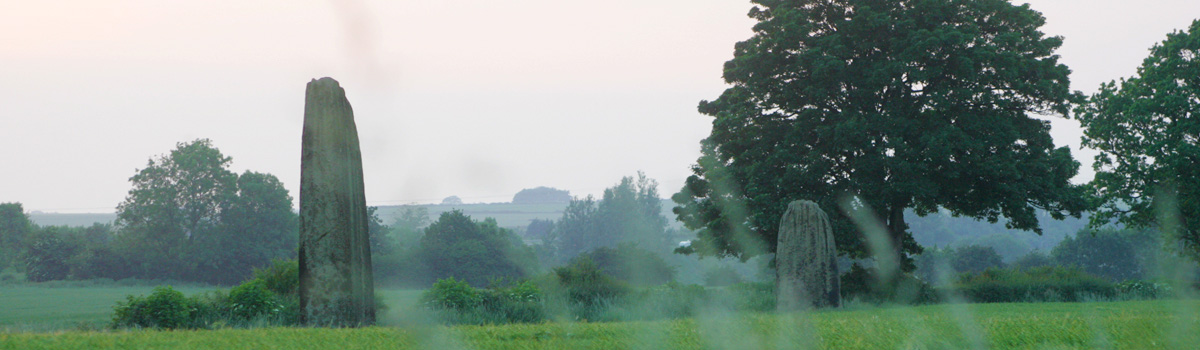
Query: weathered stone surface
x,y
806,260
336,284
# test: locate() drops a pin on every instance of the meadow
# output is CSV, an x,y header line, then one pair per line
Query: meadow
x,y
36,317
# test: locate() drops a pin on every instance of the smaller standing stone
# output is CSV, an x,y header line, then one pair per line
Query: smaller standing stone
x,y
806,260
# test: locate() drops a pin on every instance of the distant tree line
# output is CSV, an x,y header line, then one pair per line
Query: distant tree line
x,y
623,232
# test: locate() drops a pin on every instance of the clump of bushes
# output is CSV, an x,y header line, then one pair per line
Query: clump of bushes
x,y
582,291
164,308
459,303
1033,285
630,264
720,276
1143,290
269,298
865,284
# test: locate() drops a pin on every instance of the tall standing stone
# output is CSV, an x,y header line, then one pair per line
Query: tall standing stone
x,y
806,259
336,285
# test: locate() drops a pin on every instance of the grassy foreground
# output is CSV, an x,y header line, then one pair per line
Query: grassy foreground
x,y
1123,325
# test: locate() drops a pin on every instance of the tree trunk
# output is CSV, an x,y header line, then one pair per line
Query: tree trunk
x,y
897,228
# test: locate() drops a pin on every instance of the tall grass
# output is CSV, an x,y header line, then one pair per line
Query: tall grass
x,y
1123,325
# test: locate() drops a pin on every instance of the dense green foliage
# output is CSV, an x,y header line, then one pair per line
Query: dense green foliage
x,y
269,298
868,285
15,228
459,303
1044,284
1146,131
396,257
628,212
189,217
476,252
901,104
164,308
1116,255
628,263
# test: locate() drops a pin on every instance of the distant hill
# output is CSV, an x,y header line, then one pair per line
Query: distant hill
x,y
82,219
542,195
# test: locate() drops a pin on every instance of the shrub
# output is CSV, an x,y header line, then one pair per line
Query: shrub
x,y
722,275
866,285
628,263
1143,290
281,278
251,300
1034,259
586,284
671,300
975,258
522,302
459,303
753,296
164,308
449,293
1032,285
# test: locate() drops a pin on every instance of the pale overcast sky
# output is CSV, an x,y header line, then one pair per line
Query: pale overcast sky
x,y
474,98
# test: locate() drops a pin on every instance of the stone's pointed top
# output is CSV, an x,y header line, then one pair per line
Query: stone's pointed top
x,y
325,84
801,204
325,80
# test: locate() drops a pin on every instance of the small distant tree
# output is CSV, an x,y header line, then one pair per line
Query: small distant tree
x,y
15,228
975,258
48,254
452,200
1033,259
379,234
627,262
477,252
1116,255
395,254
539,229
406,229
631,211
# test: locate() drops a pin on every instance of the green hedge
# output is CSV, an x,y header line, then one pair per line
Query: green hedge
x,y
1052,284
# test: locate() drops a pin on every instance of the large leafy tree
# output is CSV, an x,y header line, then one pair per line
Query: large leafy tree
x,y
175,199
898,104
189,217
256,226
1147,129
477,252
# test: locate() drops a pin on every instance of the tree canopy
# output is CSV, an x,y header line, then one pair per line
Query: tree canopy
x,y
477,252
189,217
15,227
1147,131
898,104
630,211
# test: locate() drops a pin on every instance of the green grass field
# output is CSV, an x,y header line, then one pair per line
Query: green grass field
x,y
50,318
37,308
